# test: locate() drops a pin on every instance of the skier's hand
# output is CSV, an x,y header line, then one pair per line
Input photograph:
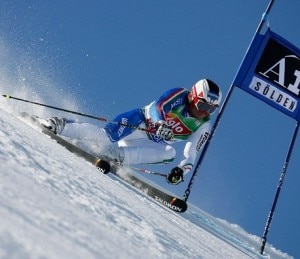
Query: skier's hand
x,y
176,175
163,130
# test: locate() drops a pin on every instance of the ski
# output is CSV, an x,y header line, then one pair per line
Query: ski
x,y
106,165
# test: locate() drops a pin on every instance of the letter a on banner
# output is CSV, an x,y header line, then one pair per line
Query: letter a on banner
x,y
271,72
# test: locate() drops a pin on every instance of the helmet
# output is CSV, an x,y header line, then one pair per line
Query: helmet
x,y
205,95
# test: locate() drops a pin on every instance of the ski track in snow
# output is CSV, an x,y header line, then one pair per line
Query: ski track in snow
x,y
56,205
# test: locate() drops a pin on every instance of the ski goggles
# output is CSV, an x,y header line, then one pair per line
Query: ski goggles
x,y
204,106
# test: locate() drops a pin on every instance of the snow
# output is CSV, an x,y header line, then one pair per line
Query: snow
x,y
56,205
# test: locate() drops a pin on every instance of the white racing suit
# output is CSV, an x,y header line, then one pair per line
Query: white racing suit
x,y
144,147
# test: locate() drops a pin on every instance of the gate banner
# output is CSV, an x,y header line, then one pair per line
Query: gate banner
x,y
270,71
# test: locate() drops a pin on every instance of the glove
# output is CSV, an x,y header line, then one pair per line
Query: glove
x,y
163,130
176,176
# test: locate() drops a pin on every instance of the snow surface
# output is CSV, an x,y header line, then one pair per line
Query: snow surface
x,y
55,205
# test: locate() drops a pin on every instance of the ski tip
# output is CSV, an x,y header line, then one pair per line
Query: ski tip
x,y
102,165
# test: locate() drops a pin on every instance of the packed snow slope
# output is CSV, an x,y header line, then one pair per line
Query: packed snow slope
x,y
56,205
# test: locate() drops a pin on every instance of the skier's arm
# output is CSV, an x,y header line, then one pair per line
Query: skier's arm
x,y
170,100
194,144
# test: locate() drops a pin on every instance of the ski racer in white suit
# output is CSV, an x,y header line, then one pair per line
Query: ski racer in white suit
x,y
177,115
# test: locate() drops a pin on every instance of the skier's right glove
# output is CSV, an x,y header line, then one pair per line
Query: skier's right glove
x,y
176,176
163,130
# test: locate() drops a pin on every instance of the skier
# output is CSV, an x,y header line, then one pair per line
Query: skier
x,y
177,115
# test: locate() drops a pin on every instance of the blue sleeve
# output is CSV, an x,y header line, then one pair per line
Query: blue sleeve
x,y
116,131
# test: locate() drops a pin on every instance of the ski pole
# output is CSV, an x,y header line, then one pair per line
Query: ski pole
x,y
147,171
77,113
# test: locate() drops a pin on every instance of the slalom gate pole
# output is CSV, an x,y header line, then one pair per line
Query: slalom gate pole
x,y
203,153
218,118
280,183
77,113
265,15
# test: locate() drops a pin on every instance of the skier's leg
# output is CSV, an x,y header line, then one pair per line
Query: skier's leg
x,y
145,151
85,132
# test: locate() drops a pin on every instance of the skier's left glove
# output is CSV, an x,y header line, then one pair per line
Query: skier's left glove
x,y
176,176
163,130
